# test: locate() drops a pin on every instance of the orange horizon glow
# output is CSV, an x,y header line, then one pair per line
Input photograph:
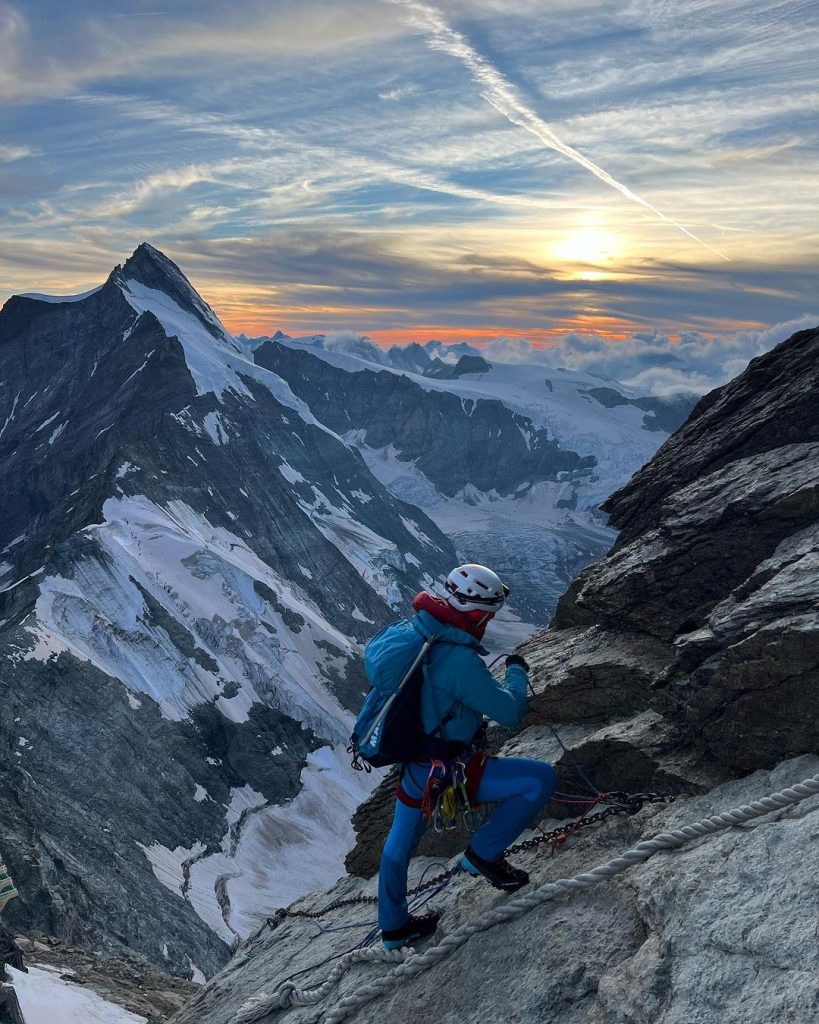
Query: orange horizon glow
x,y
540,337
243,310
421,333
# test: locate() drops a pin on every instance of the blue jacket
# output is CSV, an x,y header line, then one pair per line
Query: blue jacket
x,y
456,680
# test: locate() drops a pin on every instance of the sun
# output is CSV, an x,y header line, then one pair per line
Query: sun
x,y
587,245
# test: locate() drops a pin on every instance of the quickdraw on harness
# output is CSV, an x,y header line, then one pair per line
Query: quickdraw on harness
x,y
452,800
450,793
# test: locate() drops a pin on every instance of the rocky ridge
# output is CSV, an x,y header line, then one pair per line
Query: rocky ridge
x,y
706,607
683,661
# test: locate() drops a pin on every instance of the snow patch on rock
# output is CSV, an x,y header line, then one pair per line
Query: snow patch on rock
x,y
45,998
216,428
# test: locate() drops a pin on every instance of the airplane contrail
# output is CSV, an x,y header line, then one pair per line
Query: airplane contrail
x,y
500,93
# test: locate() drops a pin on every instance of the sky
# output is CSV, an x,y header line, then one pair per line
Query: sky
x,y
630,185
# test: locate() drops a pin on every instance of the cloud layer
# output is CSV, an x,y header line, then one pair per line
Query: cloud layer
x,y
651,362
314,166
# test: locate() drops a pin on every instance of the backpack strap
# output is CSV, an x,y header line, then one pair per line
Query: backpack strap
x,y
438,732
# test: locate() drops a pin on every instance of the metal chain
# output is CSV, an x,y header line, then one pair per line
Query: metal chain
x,y
619,803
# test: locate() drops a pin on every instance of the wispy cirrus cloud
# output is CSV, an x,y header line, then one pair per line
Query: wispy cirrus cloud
x,y
502,95
8,154
96,46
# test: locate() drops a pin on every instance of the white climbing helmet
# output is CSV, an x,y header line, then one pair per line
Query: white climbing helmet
x,y
475,588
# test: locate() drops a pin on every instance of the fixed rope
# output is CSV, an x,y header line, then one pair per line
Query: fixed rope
x,y
289,994
415,964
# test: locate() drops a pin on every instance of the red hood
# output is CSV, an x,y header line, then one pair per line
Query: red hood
x,y
474,623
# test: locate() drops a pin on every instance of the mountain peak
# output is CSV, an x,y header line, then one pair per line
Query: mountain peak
x,y
152,269
152,283
147,259
145,249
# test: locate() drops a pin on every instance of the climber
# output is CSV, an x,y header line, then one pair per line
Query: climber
x,y
458,690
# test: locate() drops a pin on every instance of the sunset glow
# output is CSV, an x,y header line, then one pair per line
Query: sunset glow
x,y
411,171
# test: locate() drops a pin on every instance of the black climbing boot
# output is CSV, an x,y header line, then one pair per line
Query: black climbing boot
x,y
499,873
415,928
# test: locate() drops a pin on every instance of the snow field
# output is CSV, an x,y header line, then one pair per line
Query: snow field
x,y
46,999
203,578
281,851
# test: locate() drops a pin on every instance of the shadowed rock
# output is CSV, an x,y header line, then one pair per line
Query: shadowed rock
x,y
711,592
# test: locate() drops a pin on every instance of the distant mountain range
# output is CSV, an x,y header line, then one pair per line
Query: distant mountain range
x,y
511,461
199,533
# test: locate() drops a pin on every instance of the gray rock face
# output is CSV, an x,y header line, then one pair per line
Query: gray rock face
x,y
10,1012
409,357
771,405
712,587
11,955
660,413
454,443
466,364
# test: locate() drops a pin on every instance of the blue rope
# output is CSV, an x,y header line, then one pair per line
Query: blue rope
x,y
427,869
573,762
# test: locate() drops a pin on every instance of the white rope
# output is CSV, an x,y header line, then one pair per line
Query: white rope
x,y
289,994
416,963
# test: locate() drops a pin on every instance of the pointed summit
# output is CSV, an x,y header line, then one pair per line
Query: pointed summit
x,y
151,269
152,283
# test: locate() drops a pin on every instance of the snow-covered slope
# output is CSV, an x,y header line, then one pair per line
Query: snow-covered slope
x,y
48,998
511,462
190,565
560,401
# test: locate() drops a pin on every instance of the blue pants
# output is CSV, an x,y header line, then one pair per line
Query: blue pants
x,y
520,786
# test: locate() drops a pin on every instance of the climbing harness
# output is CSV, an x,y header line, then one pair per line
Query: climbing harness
x,y
415,964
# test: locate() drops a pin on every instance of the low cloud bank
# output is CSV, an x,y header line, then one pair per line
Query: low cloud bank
x,y
651,362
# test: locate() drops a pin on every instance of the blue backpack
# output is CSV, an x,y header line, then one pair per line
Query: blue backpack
x,y
388,729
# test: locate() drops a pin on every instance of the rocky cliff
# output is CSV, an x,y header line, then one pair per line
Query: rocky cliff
x,y
706,608
684,661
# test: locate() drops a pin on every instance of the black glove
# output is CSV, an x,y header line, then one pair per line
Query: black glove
x,y
516,659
